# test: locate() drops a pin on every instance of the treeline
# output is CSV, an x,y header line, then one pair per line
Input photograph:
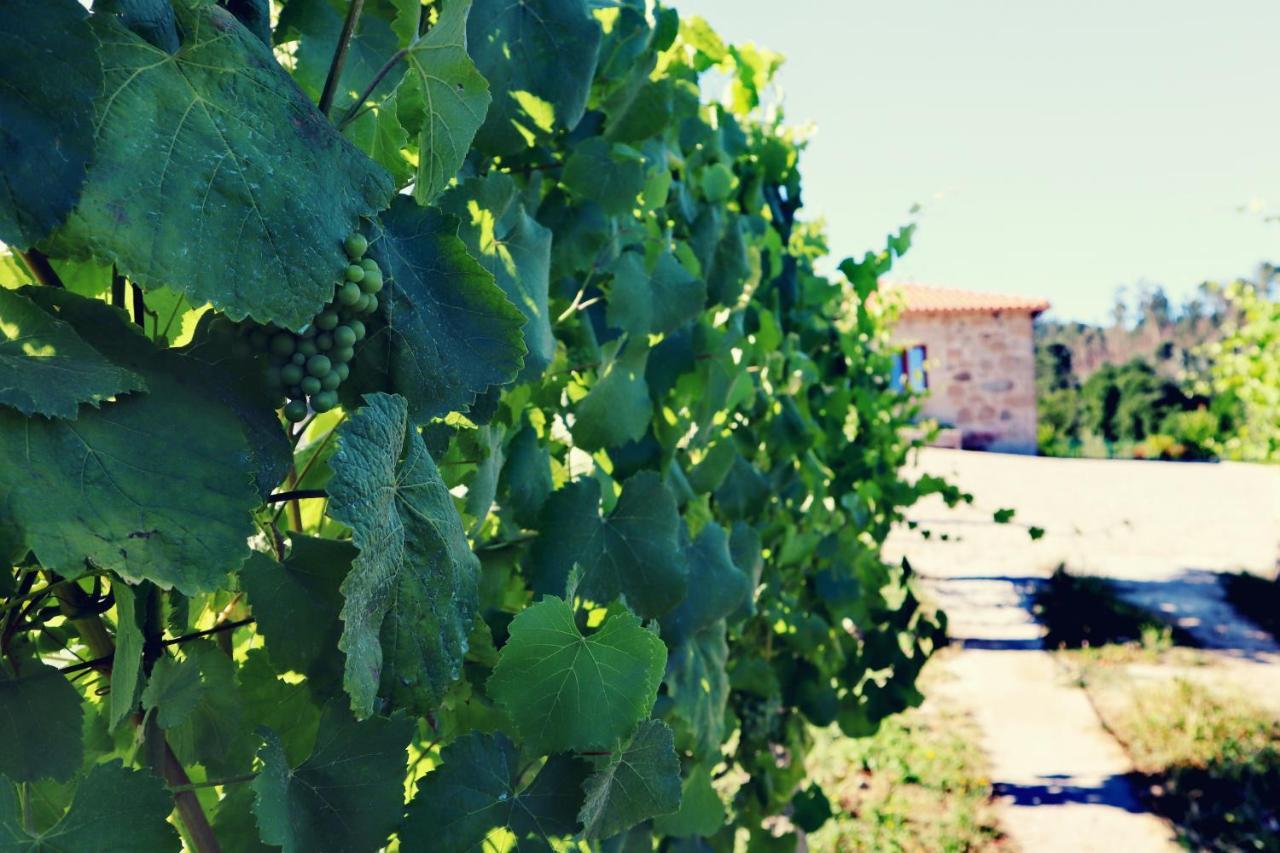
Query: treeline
x,y
1142,385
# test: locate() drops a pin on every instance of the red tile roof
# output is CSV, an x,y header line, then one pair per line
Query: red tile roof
x,y
925,299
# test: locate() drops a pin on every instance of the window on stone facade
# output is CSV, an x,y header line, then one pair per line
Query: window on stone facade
x,y
909,369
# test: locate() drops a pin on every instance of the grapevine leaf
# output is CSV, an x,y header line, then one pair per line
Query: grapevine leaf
x,y
596,172
173,690
744,492
662,301
151,19
40,717
214,734
539,57
411,593
379,133
287,708
49,75
516,250
632,552
730,266
47,368
452,97
254,14
214,175
617,409
717,587
316,26
240,384
565,691
699,688
526,478
126,663
446,332
638,782
296,602
477,789
347,795
114,808
114,488
701,811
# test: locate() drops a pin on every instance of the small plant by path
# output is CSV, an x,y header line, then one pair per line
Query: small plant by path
x,y
920,783
1080,612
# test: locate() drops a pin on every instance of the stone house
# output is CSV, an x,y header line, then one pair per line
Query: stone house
x,y
974,357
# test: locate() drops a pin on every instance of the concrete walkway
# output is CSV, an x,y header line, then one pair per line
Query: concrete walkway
x,y
1163,531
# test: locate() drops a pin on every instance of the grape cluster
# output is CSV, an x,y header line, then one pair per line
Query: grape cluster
x,y
308,366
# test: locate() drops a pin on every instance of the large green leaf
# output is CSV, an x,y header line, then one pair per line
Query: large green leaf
x,y
631,552
636,783
411,594
296,603
114,488
348,795
445,100
699,688
173,690
617,409
717,587
47,369
602,173
114,808
446,332
214,733
565,691
316,26
539,57
516,250
40,716
660,301
477,789
216,176
49,75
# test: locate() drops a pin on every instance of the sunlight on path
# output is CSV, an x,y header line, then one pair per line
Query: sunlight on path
x,y
1163,531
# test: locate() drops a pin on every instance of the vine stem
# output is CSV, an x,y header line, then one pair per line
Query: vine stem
x,y
74,600
353,113
214,783
340,55
37,262
100,660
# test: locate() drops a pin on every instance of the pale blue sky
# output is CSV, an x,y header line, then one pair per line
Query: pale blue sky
x,y
1059,149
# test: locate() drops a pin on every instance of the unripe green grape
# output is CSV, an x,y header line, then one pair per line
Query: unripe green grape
x,y
308,348
370,265
343,370
258,339
372,282
357,327
362,304
241,348
327,319
344,336
310,385
356,244
355,272
349,293
319,365
324,401
295,411
282,344
373,303
291,374
331,380
343,355
298,358
324,341
274,378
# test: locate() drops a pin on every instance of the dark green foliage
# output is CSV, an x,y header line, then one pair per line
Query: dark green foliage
x,y
519,437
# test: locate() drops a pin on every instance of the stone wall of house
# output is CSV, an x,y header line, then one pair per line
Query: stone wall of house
x,y
981,374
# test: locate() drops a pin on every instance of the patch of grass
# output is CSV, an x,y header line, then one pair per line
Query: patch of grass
x,y
1207,761
1256,598
920,783
1081,612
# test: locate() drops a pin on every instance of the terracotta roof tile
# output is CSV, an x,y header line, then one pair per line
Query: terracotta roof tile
x,y
925,299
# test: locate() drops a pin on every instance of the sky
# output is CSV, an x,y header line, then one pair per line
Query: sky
x,y
1057,149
